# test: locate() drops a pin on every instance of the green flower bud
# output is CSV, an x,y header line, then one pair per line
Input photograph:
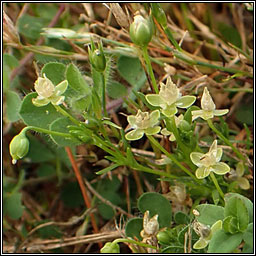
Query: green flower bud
x,y
110,247
19,147
141,31
163,237
96,57
184,126
159,14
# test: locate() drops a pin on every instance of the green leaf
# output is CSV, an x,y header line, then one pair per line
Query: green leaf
x,y
10,61
116,90
71,195
181,235
60,125
13,103
248,235
155,203
230,34
222,242
236,208
133,228
12,205
55,71
247,202
30,26
230,225
181,218
209,213
76,80
38,151
131,70
107,169
37,116
173,249
247,249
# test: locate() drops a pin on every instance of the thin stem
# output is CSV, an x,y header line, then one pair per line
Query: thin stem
x,y
171,38
154,141
65,113
143,168
183,147
216,184
125,240
104,94
150,70
223,138
42,130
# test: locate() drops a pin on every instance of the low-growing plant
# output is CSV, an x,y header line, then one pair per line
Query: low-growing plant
x,y
73,111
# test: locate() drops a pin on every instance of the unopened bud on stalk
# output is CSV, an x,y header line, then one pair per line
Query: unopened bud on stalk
x,y
19,147
96,57
141,31
110,248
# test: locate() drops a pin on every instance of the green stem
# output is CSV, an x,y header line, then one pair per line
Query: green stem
x,y
104,94
183,147
154,141
150,70
42,130
171,38
223,138
65,113
143,168
216,184
125,240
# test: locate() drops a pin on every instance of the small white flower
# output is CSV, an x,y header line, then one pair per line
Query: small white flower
x,y
142,123
209,162
169,98
47,92
208,110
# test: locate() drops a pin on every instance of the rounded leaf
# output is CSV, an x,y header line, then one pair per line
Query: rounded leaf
x,y
133,228
155,203
154,116
170,110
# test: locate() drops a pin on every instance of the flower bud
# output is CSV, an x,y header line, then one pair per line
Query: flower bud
x,y
96,57
19,147
184,126
110,248
164,237
141,31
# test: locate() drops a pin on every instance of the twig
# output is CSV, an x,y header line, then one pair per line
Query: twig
x,y
83,189
30,55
